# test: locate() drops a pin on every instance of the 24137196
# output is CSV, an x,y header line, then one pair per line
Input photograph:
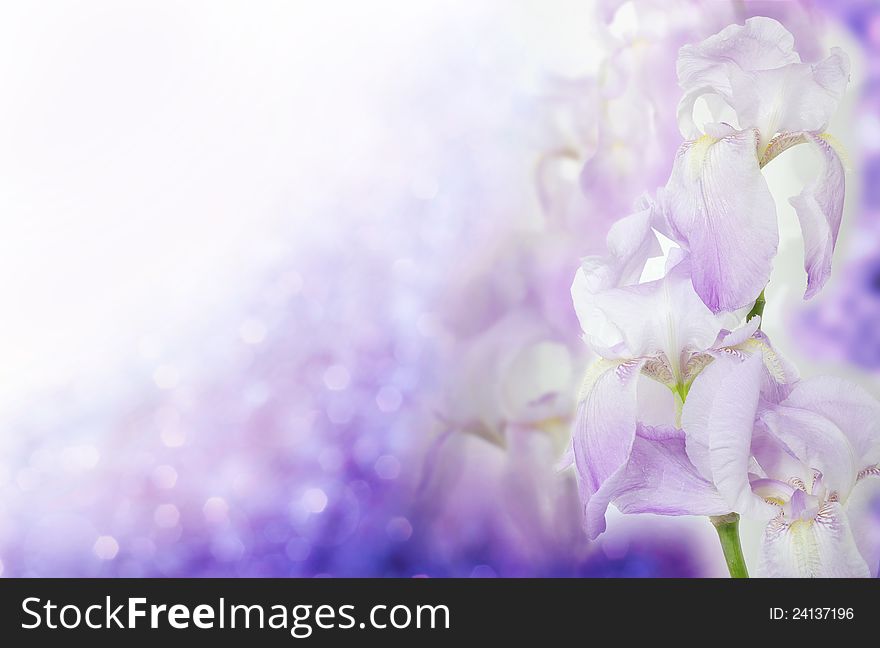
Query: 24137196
x,y
812,614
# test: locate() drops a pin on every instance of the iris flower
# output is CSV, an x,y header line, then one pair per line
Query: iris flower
x,y
685,414
653,338
792,461
717,204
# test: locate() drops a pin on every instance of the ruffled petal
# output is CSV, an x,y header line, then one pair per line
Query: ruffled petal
x,y
660,478
777,463
798,97
819,209
631,242
712,65
849,407
719,206
602,438
817,442
662,316
820,547
718,419
755,70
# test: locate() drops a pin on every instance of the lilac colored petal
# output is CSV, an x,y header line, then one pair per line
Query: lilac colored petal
x,y
798,503
602,439
566,460
755,70
819,209
799,97
849,407
813,93
660,478
777,461
817,442
656,403
718,418
741,334
662,316
720,208
707,67
773,488
760,44
864,520
820,547
631,242
685,111
780,375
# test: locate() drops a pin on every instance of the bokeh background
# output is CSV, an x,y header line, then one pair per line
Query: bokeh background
x,y
286,284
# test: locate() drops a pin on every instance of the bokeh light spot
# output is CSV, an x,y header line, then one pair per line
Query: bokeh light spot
x,y
314,500
166,516
106,547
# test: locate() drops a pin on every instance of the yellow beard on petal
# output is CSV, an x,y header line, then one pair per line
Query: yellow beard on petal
x,y
697,153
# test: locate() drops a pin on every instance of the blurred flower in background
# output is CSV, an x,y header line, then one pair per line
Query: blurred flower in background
x,y
843,327
288,289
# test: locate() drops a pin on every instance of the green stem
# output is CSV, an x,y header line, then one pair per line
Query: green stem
x,y
728,532
758,308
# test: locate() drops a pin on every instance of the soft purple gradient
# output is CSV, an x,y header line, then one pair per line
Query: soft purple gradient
x,y
381,383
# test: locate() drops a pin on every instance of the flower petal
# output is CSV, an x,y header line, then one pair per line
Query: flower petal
x,y
754,68
823,547
631,242
849,407
709,66
797,97
719,206
780,375
657,402
819,209
719,418
778,463
817,442
662,316
741,334
602,438
863,511
660,478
